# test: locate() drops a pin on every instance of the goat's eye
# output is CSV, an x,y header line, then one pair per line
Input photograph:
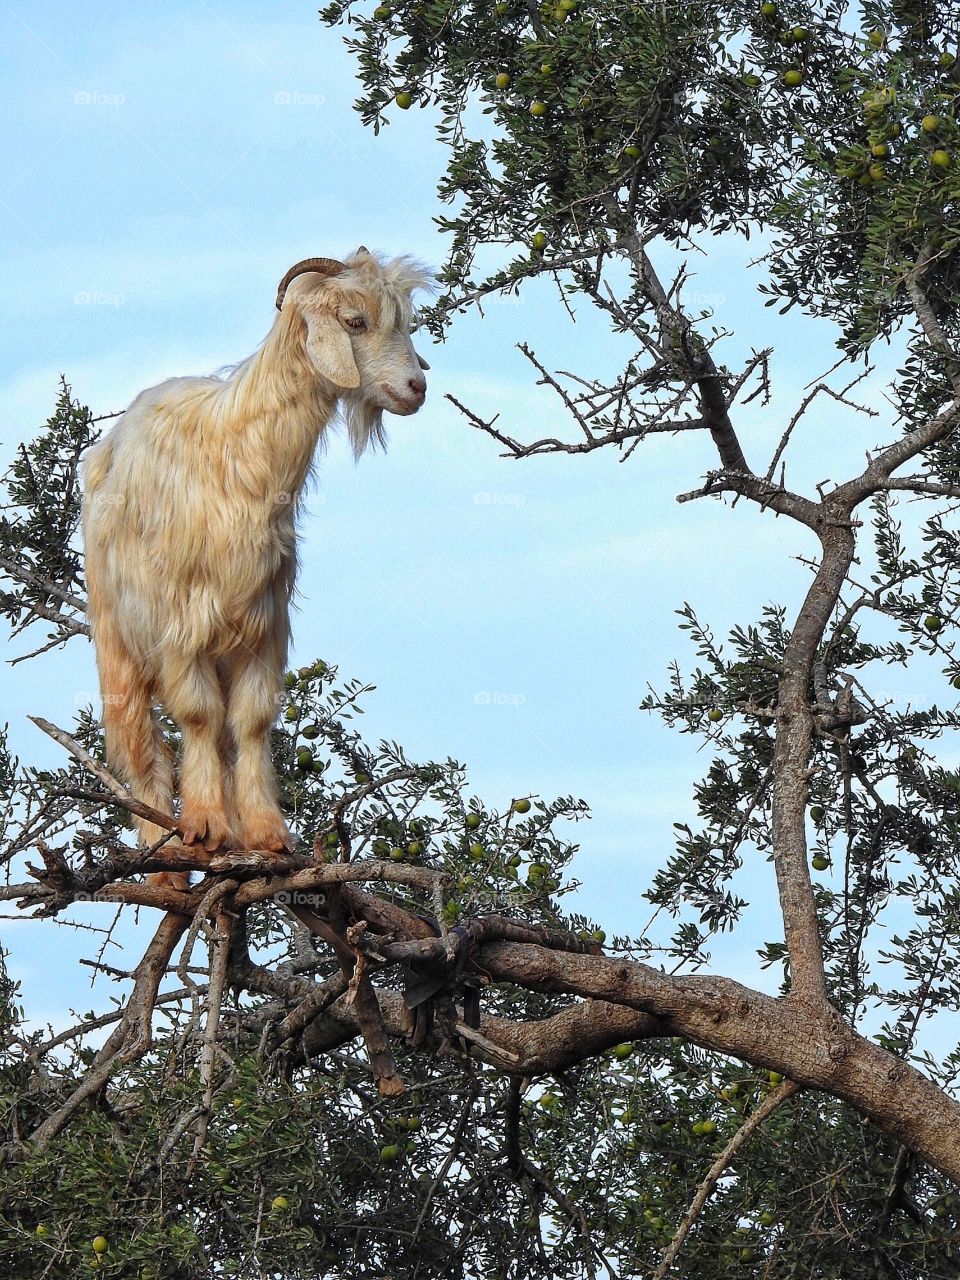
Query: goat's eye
x,y
356,323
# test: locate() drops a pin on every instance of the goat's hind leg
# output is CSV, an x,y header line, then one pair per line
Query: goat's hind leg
x,y
135,744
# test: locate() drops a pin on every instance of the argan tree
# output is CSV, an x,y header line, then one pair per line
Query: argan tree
x,y
402,1056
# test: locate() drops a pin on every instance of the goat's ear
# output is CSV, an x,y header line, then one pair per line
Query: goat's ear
x,y
330,351
420,360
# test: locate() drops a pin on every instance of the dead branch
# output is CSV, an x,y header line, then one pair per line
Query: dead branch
x,y
131,1038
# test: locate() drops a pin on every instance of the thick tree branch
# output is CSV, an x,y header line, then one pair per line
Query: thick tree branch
x,y
813,1047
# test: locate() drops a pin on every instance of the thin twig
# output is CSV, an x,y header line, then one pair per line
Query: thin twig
x,y
746,1131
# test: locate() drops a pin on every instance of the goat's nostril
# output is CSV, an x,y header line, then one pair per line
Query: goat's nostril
x,y
417,385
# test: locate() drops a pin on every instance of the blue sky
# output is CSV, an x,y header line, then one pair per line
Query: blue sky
x,y
164,166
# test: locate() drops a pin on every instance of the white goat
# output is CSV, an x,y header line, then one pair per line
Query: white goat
x,y
191,553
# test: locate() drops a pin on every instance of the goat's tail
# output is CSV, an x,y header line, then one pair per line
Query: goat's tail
x,y
134,741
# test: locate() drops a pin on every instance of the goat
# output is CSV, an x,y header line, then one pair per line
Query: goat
x,y
189,517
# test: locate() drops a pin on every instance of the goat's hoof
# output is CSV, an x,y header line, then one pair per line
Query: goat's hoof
x,y
268,833
212,830
170,880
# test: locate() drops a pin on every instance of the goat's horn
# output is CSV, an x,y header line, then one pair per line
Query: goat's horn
x,y
363,249
326,267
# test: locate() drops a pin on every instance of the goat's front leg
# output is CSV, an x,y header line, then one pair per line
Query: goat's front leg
x,y
252,703
192,695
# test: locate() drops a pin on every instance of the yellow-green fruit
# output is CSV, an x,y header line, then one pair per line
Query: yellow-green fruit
x,y
820,863
879,149
599,935
389,1153
767,1218
477,851
567,6
876,38
930,124
279,1204
632,151
403,99
521,806
621,1051
816,812
538,108
931,621
715,714
291,712
99,1244
332,839
751,80
775,1077
42,1230
415,848
800,33
546,69
397,854
793,78
709,1126
876,172
940,159
947,59
539,241
289,680
473,819
382,11
768,9
503,80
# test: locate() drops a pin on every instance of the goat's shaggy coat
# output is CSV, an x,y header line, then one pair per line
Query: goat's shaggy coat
x,y
190,541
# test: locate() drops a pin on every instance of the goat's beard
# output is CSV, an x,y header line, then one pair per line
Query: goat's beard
x,y
364,421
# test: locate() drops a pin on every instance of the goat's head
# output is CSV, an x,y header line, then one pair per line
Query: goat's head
x,y
357,318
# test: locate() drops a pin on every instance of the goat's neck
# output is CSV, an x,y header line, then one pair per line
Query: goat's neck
x,y
279,409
